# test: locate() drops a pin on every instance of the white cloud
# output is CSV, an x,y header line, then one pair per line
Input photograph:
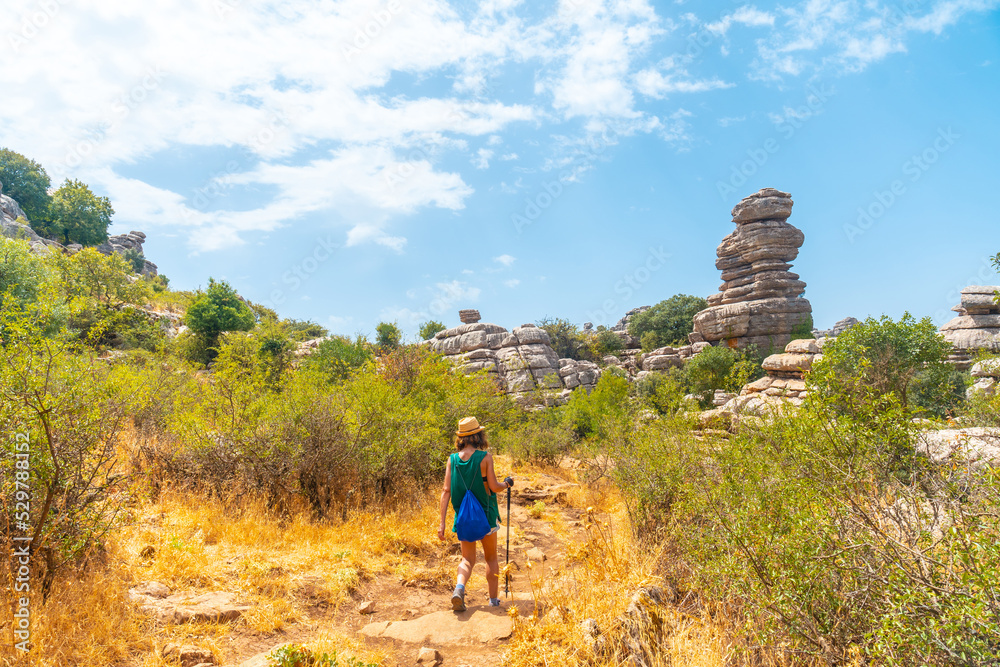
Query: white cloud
x,y
652,83
747,15
847,36
726,121
513,282
482,159
506,260
507,157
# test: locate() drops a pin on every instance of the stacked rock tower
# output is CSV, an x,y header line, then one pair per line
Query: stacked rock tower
x,y
760,301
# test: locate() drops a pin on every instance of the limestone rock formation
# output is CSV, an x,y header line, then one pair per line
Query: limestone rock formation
x,y
977,326
840,327
760,302
579,373
522,359
783,386
985,375
120,243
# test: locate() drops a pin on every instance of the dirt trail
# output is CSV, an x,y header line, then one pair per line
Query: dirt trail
x,y
409,617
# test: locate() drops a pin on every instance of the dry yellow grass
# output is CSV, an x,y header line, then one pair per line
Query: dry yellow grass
x,y
606,570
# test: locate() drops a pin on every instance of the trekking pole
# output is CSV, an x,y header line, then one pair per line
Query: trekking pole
x,y
506,578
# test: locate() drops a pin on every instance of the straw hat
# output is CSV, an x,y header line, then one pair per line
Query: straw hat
x,y
468,426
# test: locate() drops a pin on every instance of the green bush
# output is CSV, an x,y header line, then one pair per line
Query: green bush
x,y
837,538
669,321
939,391
387,336
566,339
300,331
604,342
430,328
721,367
880,357
664,391
216,310
26,182
338,357
604,411
76,215
295,655
540,439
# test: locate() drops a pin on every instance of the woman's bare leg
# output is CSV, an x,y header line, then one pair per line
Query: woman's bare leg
x,y
492,565
468,561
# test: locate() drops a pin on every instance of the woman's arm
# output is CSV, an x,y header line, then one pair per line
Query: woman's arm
x,y
491,475
445,497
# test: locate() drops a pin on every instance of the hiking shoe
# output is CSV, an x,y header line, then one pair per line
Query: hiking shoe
x,y
494,602
458,600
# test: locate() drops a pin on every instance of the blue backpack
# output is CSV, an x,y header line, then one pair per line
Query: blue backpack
x,y
471,524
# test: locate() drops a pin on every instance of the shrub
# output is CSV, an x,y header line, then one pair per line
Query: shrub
x,y
939,391
664,391
338,357
803,328
216,310
669,321
604,342
22,274
76,215
430,328
603,411
539,439
300,331
387,336
721,367
879,357
840,541
67,412
567,341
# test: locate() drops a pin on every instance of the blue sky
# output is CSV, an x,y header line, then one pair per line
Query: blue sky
x,y
357,161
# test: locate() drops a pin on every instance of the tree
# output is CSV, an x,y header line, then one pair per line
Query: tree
x,y
21,273
879,358
77,215
303,330
218,309
669,322
387,336
430,328
26,182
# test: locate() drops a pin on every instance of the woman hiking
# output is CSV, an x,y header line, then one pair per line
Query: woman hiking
x,y
470,468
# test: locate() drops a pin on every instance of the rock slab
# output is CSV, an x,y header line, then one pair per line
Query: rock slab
x,y
446,627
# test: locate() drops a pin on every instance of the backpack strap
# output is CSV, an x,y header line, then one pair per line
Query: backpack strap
x,y
460,476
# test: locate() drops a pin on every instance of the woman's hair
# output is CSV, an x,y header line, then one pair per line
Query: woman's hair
x,y
477,440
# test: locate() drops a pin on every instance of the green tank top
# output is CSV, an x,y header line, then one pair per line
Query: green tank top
x,y
472,479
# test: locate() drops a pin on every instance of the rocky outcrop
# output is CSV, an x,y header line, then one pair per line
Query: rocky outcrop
x,y
579,373
760,302
216,607
783,386
522,360
977,326
985,375
121,243
14,224
840,327
976,447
